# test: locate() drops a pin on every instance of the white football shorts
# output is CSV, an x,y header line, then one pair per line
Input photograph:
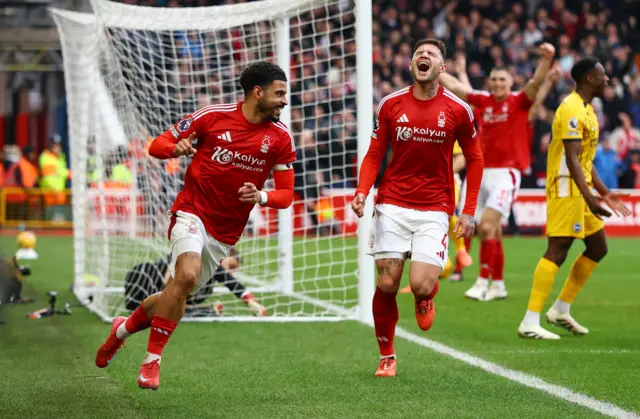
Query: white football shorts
x,y
397,232
187,234
498,191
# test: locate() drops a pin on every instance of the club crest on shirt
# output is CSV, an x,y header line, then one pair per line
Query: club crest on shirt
x,y
184,125
266,143
442,119
573,123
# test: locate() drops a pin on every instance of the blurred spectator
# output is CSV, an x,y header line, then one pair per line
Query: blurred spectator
x,y
607,164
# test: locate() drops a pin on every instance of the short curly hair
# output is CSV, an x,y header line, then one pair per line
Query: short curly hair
x,y
261,74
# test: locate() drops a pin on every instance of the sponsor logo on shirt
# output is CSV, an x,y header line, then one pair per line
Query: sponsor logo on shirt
x,y
491,118
174,132
423,135
237,159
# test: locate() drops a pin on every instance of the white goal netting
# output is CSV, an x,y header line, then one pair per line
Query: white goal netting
x,y
132,71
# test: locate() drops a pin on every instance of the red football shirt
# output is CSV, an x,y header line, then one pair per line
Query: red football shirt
x,y
503,128
230,151
422,134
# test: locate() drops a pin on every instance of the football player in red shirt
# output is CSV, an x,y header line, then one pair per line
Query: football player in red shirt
x,y
239,144
503,131
416,195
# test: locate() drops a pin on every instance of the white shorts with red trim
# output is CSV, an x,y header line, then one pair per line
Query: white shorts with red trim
x,y
187,234
401,233
498,191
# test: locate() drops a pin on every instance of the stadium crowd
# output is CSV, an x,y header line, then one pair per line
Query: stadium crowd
x,y
487,33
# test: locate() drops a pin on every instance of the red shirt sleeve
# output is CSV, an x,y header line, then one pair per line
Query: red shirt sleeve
x,y
468,140
478,98
377,150
282,197
286,151
162,146
523,100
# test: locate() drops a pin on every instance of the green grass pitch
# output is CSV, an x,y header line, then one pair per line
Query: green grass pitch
x,y
325,370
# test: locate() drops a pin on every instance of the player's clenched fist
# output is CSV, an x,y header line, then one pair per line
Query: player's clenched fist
x,y
184,147
465,226
547,50
357,205
249,193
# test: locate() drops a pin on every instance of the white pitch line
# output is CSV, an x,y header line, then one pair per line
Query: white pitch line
x,y
521,377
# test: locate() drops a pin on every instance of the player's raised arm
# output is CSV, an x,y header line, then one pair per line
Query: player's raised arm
x,y
373,159
456,86
177,140
544,91
531,88
467,138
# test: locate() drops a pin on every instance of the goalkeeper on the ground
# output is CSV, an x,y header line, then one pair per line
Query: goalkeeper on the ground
x,y
146,279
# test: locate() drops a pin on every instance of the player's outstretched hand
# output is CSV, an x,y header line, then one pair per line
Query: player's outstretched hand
x,y
249,194
547,50
184,147
597,209
357,205
612,199
465,227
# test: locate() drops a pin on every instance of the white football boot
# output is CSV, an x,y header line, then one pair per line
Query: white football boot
x,y
565,321
496,291
478,290
535,331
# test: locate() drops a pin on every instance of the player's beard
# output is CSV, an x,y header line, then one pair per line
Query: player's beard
x,y
268,111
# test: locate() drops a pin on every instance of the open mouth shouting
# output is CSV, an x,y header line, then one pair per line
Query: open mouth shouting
x,y
423,67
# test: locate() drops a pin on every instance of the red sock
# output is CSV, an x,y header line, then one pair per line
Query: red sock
x,y
137,321
498,263
487,254
161,330
385,318
467,243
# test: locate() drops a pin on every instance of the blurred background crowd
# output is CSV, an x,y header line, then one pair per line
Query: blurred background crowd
x,y
487,33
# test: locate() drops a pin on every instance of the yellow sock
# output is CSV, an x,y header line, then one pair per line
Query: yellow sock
x,y
543,278
459,242
579,275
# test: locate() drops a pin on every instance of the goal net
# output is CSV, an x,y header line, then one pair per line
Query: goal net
x,y
132,71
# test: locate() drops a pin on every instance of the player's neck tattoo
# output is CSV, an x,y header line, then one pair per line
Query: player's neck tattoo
x,y
427,90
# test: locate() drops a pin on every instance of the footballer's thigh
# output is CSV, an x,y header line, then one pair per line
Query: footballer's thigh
x,y
502,186
429,251
187,242
565,223
389,244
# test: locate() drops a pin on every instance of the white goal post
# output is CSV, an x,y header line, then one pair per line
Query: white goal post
x,y
131,72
